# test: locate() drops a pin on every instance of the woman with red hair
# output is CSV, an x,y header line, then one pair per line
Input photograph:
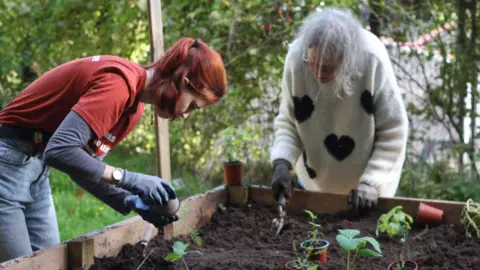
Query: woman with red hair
x,y
69,119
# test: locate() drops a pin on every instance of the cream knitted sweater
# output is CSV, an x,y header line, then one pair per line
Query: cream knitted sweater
x,y
334,143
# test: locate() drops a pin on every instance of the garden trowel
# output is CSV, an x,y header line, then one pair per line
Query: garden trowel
x,y
277,223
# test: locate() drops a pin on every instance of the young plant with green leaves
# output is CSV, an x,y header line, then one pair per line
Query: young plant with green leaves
x,y
179,250
400,265
356,246
301,262
471,218
194,234
394,223
235,143
311,249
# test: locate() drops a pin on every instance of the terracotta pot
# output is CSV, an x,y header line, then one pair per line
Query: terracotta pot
x,y
319,245
409,265
232,173
429,214
287,266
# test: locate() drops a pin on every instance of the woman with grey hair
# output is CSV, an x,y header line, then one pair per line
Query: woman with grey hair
x,y
342,122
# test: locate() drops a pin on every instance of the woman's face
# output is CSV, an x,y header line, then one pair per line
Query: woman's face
x,y
328,67
186,103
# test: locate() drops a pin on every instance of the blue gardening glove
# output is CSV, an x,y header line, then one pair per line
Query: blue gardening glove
x,y
151,189
136,204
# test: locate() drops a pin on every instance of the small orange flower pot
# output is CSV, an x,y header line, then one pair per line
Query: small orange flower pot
x,y
429,214
233,172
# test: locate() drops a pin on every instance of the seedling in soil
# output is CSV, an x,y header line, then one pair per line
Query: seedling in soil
x,y
471,218
401,263
356,246
301,262
394,223
311,245
194,234
179,250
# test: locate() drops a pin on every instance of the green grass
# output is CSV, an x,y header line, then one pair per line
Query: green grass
x,y
79,212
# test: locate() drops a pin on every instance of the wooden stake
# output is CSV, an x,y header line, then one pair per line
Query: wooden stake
x,y
81,254
161,125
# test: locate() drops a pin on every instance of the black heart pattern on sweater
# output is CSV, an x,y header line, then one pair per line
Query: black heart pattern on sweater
x,y
367,102
340,148
311,172
303,108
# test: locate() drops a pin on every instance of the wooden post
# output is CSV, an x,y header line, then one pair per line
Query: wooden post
x,y
161,125
81,254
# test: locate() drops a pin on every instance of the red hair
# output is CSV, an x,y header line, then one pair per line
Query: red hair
x,y
185,62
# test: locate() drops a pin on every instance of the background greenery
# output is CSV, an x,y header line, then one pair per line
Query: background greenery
x,y
253,37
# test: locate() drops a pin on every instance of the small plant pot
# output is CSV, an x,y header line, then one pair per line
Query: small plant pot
x,y
233,172
287,265
409,265
320,244
291,266
429,214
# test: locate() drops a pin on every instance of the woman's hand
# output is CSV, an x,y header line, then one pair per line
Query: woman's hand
x,y
146,212
152,190
363,199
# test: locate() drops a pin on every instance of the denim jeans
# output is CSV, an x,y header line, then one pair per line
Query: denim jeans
x,y
27,214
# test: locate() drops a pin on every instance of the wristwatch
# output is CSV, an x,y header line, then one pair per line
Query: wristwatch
x,y
117,175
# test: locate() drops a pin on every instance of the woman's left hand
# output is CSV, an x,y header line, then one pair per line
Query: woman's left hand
x,y
363,199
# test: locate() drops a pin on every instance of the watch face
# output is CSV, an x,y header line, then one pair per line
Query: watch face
x,y
117,174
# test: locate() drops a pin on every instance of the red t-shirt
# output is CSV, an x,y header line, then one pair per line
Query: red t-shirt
x,y
103,90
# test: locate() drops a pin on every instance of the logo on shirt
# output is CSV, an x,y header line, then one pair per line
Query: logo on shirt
x,y
101,146
96,58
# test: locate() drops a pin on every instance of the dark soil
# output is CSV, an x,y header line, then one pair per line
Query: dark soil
x,y
240,238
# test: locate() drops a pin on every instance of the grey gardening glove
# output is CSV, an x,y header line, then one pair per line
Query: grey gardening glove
x,y
282,179
151,189
134,203
363,199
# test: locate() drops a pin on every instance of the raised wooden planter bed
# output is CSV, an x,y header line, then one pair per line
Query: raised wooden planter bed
x,y
79,253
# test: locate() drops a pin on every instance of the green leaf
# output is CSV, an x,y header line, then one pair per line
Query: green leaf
x,y
172,257
315,224
347,244
373,242
395,229
399,217
311,214
180,247
369,253
312,267
348,233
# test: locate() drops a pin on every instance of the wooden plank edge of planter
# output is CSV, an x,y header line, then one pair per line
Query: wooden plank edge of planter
x,y
195,212
331,203
53,258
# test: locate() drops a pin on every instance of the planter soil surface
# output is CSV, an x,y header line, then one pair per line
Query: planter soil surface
x,y
240,238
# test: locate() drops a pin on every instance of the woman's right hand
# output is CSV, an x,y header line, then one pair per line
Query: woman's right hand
x,y
151,189
282,180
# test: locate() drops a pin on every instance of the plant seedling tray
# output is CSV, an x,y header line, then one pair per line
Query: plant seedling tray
x,y
234,224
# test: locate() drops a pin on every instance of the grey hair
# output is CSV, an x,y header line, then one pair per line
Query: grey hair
x,y
335,33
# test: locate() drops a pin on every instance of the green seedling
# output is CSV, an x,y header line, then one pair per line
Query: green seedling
x,y
401,258
394,223
235,142
194,234
315,226
301,262
314,233
179,251
356,246
471,218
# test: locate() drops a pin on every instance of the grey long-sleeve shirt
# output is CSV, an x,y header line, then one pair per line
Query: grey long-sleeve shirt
x,y
65,151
